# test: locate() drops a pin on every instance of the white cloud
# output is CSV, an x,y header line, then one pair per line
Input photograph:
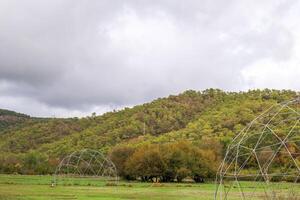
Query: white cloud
x,y
28,105
72,57
272,74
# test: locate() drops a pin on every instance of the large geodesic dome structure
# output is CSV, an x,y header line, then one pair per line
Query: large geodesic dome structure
x,y
86,164
263,160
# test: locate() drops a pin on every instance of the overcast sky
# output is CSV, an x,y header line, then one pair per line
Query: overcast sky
x,y
75,57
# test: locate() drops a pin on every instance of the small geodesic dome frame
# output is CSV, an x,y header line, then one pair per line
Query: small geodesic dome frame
x,y
263,160
87,163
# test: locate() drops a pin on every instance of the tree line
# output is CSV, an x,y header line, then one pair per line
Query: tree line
x,y
168,162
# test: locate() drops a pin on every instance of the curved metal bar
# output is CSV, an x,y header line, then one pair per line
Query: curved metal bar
x,y
93,161
252,143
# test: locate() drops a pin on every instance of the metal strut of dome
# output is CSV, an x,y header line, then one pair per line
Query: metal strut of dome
x,y
263,160
86,163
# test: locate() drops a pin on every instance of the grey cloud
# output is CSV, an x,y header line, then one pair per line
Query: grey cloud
x,y
75,54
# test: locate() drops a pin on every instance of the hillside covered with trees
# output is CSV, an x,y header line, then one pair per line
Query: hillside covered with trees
x,y
167,139
10,118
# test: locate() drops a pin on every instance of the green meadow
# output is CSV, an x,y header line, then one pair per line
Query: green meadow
x,y
39,188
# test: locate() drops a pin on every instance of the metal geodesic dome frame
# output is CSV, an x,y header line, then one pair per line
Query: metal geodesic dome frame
x,y
263,160
86,163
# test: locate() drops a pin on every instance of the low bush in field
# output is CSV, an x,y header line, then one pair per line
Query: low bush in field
x,y
111,184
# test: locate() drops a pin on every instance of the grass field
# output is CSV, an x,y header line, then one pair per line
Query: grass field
x,y
39,188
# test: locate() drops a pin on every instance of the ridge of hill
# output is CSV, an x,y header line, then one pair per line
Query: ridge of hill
x,y
190,115
9,118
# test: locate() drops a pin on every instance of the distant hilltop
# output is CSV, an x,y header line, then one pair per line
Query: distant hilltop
x,y
191,115
9,118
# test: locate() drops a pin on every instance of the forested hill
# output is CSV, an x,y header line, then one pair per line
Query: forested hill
x,y
31,145
9,118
